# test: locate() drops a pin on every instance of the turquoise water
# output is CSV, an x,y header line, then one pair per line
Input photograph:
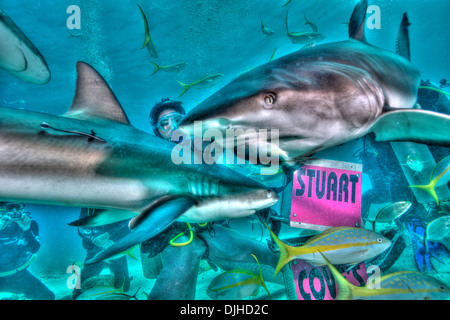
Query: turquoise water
x,y
209,36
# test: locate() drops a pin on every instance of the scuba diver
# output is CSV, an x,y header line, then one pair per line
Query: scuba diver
x,y
19,243
173,257
95,239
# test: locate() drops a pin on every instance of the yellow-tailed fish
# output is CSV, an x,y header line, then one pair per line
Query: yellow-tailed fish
x,y
129,252
204,82
403,285
438,229
391,212
303,37
118,296
343,245
267,31
97,293
439,177
311,24
148,41
176,67
236,284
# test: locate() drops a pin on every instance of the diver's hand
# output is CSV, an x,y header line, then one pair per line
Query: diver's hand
x,y
101,239
24,222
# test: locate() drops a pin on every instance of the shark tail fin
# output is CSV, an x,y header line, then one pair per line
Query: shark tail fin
x,y
285,252
402,46
346,289
157,68
356,27
186,87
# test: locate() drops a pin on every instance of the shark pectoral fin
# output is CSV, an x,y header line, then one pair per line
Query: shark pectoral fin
x,y
137,220
151,223
102,217
413,125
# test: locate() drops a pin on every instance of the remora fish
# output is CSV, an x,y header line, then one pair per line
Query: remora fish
x,y
343,245
440,176
18,55
402,285
131,175
176,67
204,82
148,41
303,37
324,96
236,284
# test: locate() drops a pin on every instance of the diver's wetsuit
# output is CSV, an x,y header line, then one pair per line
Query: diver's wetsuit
x,y
17,249
118,267
388,181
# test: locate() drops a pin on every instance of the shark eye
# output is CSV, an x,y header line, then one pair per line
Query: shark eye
x,y
269,100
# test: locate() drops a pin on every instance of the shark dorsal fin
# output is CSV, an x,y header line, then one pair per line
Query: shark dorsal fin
x,y
402,43
94,98
356,27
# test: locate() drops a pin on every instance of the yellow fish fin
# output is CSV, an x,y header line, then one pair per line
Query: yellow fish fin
x,y
147,33
430,189
262,282
346,289
285,251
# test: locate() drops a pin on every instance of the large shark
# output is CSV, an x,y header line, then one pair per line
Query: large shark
x,y
93,157
324,96
18,55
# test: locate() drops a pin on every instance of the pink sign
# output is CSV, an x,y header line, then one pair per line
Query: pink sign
x,y
317,283
326,194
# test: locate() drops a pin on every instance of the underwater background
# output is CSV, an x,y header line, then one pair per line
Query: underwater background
x,y
209,36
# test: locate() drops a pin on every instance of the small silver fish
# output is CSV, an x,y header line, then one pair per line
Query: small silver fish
x,y
204,82
303,37
176,67
414,163
267,31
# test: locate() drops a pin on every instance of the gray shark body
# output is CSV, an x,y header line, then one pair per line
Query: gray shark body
x,y
324,96
92,157
18,55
